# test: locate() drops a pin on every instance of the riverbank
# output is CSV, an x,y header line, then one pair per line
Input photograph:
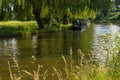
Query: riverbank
x,y
28,28
17,28
22,28
106,21
113,17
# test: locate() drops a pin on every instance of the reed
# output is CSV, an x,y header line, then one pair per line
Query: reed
x,y
12,76
36,74
21,73
89,69
85,69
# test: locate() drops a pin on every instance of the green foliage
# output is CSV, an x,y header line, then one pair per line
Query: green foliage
x,y
0,3
44,9
114,16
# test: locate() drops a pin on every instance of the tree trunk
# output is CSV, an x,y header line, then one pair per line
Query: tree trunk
x,y
65,20
38,19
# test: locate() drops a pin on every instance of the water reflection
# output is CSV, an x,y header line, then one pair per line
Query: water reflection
x,y
9,45
53,44
8,51
105,43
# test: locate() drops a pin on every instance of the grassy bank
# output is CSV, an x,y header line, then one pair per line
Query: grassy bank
x,y
21,28
112,17
17,28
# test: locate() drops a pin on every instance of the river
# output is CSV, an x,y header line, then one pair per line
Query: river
x,y
46,48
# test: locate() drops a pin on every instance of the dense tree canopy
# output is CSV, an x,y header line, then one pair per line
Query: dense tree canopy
x,y
51,11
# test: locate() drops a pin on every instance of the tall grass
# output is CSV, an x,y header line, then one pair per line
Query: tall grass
x,y
85,67
82,69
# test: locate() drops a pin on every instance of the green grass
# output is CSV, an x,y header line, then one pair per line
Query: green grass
x,y
20,28
17,28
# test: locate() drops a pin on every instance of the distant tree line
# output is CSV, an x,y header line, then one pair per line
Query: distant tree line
x,y
51,11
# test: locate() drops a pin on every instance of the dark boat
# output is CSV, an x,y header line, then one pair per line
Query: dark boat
x,y
78,24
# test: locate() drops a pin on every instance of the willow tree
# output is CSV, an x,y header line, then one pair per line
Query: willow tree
x,y
66,9
22,10
1,9
6,9
36,7
107,5
39,7
101,4
62,9
76,9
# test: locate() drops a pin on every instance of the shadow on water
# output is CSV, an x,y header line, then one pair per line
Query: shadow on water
x,y
47,48
60,42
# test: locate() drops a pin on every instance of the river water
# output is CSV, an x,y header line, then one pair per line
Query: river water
x,y
46,48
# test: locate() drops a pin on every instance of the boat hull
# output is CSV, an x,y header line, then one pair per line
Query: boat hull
x,y
75,28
